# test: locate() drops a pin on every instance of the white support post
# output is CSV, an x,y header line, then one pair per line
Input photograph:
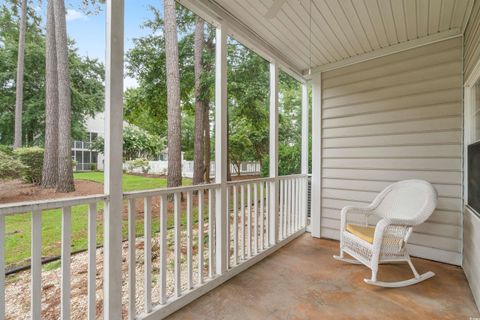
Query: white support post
x,y
112,285
221,149
304,164
316,204
273,165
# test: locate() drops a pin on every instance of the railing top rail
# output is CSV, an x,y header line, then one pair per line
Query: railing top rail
x,y
292,176
247,181
163,191
39,205
257,180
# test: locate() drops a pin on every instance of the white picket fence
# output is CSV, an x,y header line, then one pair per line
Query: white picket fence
x,y
161,167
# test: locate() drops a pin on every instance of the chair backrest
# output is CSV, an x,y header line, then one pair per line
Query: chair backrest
x,y
409,201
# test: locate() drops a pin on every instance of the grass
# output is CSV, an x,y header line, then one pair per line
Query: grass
x,y
18,227
129,182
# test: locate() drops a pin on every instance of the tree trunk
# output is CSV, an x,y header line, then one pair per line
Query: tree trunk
x,y
65,171
206,126
50,158
174,178
17,143
199,148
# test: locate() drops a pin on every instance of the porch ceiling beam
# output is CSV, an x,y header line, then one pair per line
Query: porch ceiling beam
x,y
441,36
214,13
112,284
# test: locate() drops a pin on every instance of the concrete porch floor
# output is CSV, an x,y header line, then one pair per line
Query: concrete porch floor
x,y
303,281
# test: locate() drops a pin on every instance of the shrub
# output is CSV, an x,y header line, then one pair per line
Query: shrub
x,y
6,149
10,167
93,167
138,163
32,159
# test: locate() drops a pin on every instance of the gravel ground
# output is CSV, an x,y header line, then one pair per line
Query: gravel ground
x,y
18,286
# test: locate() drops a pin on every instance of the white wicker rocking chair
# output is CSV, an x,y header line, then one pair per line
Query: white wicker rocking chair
x,y
400,207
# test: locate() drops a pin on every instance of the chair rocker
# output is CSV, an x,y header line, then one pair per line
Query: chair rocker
x,y
400,207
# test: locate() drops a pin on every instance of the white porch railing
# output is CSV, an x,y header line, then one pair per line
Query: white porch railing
x,y
180,255
36,209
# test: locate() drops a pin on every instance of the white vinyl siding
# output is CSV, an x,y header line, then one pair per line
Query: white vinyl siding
x,y
471,222
472,40
393,118
471,256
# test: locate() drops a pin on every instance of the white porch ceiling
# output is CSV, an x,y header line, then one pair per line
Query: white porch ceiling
x,y
345,29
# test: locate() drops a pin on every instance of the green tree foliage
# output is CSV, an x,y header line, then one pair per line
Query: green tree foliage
x,y
248,95
248,101
87,76
137,143
146,105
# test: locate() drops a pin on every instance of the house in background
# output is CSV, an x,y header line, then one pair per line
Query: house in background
x,y
85,158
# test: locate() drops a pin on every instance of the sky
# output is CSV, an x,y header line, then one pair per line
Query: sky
x,y
88,31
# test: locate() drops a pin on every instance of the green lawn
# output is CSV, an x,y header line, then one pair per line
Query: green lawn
x,y
130,182
18,233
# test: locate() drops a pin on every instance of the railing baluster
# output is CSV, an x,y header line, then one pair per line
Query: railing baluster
x,y
210,233
177,218
262,233
200,235
249,220
292,227
227,214
36,276
281,233
2,267
242,209
295,207
304,201
255,220
285,208
294,201
299,204
163,249
131,259
290,207
189,241
235,226
267,214
65,258
147,246
92,260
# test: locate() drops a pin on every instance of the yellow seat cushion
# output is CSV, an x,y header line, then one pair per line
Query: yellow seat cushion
x,y
364,233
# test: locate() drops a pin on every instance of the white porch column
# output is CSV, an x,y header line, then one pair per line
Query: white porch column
x,y
221,151
112,284
273,164
304,166
316,203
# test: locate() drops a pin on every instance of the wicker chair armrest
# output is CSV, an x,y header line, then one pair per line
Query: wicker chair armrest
x,y
381,229
346,211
